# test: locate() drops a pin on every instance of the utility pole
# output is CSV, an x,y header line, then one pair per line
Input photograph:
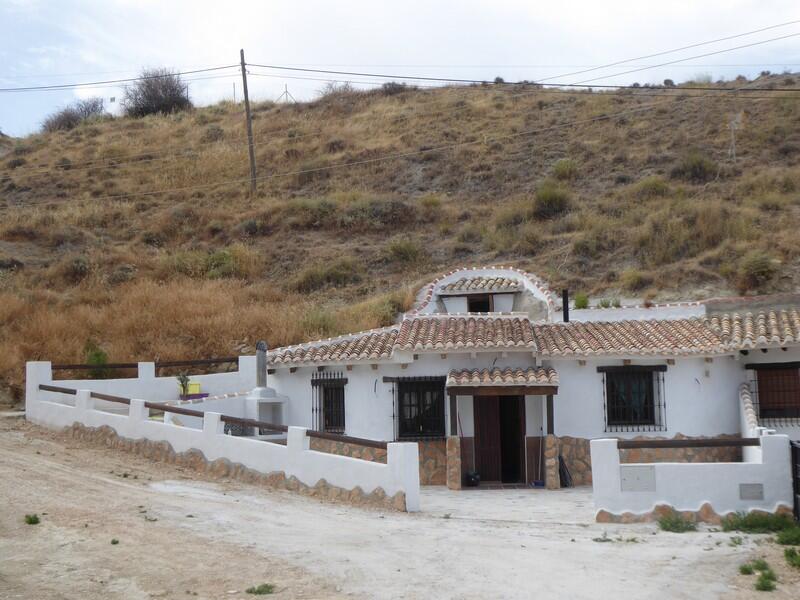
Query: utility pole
x,y
250,146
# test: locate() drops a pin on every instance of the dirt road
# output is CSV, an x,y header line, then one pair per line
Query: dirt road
x,y
182,537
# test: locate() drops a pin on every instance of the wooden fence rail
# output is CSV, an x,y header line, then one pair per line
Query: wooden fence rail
x,y
263,425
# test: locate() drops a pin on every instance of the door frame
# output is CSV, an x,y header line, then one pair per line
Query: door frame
x,y
523,454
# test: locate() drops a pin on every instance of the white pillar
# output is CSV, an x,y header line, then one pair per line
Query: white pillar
x,y
36,373
212,424
606,483
83,402
147,370
403,460
137,411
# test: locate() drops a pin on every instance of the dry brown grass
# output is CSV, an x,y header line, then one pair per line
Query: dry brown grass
x,y
196,272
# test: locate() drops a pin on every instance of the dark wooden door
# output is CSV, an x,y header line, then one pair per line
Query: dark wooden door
x,y
487,437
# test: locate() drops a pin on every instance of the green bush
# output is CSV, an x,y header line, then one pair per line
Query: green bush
x,y
581,300
676,523
766,581
32,519
756,269
757,522
261,590
98,359
789,536
792,557
565,169
746,569
551,201
340,272
695,168
318,323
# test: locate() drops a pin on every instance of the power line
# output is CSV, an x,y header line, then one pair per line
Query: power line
x,y
67,86
673,50
147,157
486,82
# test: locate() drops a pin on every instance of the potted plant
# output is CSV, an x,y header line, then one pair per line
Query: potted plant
x,y
183,384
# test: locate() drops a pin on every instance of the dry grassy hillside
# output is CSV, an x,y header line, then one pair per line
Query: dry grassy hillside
x,y
645,203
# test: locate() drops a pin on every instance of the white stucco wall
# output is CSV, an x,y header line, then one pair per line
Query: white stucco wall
x,y
400,473
702,398
687,486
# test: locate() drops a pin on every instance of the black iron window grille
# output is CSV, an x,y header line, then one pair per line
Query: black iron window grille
x,y
327,407
775,390
633,398
420,407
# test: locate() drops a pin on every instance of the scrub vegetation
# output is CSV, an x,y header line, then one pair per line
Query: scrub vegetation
x,y
623,202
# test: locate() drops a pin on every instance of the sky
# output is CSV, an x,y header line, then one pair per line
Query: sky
x,y
46,42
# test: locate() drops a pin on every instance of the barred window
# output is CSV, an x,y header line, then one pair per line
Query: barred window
x,y
327,409
421,409
634,399
777,391
333,408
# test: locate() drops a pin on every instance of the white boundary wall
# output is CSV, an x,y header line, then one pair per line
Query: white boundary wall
x,y
159,389
399,474
639,488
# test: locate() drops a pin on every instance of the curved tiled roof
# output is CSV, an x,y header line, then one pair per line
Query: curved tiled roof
x,y
498,376
482,284
665,337
369,345
746,330
426,294
717,334
467,331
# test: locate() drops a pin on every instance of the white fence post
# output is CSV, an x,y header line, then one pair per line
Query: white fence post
x,y
83,402
36,373
137,411
403,460
606,480
212,424
146,370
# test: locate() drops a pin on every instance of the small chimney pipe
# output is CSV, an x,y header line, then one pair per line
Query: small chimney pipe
x,y
261,364
565,304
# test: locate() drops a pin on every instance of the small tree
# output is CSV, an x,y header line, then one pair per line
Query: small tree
x,y
158,91
71,116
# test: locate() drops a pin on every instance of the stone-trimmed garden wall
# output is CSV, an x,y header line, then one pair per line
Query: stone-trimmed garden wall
x,y
706,514
577,455
627,492
432,456
346,449
223,468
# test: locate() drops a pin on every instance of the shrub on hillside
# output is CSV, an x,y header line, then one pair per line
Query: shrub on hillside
x,y
565,169
651,187
158,91
406,251
635,281
756,269
340,272
551,201
73,115
213,133
695,167
581,300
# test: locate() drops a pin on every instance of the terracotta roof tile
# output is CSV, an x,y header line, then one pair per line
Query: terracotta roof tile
x,y
482,284
746,330
370,345
670,337
454,332
498,376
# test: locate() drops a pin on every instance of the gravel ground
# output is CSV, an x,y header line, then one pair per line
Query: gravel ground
x,y
180,536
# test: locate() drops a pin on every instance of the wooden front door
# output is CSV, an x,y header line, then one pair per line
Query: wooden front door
x,y
487,437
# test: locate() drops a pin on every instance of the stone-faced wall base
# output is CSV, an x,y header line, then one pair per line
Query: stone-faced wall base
x,y
432,462
454,476
351,450
552,480
223,468
706,514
